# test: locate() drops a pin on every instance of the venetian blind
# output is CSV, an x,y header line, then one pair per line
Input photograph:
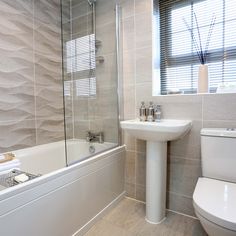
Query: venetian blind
x,y
81,64
179,61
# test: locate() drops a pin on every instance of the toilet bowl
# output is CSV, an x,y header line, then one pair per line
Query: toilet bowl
x,y
214,202
214,197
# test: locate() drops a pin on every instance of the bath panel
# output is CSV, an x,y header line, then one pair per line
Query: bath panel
x,y
64,202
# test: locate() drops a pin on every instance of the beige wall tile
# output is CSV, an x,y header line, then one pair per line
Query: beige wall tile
x,y
96,125
17,135
69,126
106,72
66,9
30,73
47,42
128,33
219,107
83,24
143,6
68,106
49,101
80,129
219,124
80,8
128,67
21,7
17,102
129,101
143,30
105,12
110,129
140,145
180,203
130,167
50,129
143,65
127,8
106,34
94,110
130,190
80,108
140,166
181,107
140,192
183,175
129,141
108,102
47,12
189,146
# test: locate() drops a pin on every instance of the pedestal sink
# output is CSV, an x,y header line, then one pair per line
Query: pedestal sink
x,y
156,134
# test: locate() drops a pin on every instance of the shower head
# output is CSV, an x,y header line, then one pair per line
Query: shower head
x,y
91,2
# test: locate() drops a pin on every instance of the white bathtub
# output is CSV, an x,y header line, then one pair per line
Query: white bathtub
x,y
79,149
44,159
65,200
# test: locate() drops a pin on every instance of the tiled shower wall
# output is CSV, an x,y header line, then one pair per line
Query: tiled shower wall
x,y
31,104
99,112
137,71
213,110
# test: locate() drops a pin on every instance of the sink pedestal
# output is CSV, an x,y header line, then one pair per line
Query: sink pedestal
x,y
156,134
156,168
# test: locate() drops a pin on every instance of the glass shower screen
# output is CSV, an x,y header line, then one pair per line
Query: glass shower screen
x,y
90,77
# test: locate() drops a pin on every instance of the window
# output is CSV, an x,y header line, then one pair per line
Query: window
x,y
179,61
81,63
80,54
86,87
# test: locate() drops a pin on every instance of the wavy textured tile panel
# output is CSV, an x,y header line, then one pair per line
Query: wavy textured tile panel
x,y
16,135
16,103
30,73
48,72
49,102
16,67
50,130
17,7
47,11
47,41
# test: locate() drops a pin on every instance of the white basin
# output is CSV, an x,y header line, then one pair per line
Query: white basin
x,y
166,130
156,134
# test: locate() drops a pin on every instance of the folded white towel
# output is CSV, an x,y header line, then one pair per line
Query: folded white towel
x,y
15,163
5,157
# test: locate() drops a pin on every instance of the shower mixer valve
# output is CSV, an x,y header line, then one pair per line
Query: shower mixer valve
x,y
95,137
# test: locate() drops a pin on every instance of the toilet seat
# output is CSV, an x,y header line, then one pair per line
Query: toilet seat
x,y
216,201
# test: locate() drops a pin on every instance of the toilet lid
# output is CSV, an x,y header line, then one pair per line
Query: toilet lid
x,y
216,201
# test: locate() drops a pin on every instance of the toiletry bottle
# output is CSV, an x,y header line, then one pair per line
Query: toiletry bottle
x,y
150,112
157,113
142,112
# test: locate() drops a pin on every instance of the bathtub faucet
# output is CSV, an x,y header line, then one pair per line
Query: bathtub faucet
x,y
95,137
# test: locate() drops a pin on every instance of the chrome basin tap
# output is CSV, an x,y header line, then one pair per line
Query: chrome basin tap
x,y
95,137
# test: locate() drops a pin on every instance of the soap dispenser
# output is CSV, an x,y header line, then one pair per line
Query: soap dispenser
x,y
142,112
150,112
157,113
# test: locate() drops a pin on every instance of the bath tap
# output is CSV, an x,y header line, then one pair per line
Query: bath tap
x,y
95,137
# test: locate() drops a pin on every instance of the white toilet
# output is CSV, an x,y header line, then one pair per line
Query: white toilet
x,y
214,197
